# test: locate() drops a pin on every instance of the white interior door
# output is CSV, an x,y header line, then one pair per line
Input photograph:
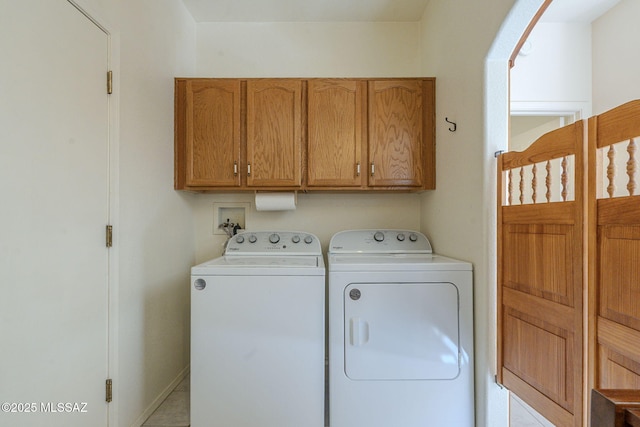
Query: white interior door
x,y
54,185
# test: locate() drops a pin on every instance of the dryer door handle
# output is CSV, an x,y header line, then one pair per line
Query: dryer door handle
x,y
358,331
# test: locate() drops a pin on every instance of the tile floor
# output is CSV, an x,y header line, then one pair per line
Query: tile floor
x,y
522,415
174,411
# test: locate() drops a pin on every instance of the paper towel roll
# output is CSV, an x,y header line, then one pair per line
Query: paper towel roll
x,y
275,201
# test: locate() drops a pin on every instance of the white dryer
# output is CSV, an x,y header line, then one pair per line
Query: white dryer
x,y
400,332
258,333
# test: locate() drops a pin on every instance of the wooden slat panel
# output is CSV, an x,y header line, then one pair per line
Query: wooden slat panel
x,y
618,371
538,401
614,258
553,145
557,314
619,338
550,361
540,274
618,124
620,274
621,210
541,261
546,213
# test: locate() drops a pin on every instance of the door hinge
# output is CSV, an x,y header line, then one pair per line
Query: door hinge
x,y
109,82
109,235
109,390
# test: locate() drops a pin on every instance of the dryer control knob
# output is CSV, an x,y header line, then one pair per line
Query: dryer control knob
x,y
240,239
295,239
400,237
253,238
274,238
308,239
413,237
378,236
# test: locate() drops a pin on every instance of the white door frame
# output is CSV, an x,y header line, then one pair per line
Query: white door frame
x,y
113,257
496,138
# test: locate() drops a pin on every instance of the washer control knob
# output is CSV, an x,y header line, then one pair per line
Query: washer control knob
x,y
355,294
295,239
400,237
240,239
308,239
253,238
274,238
378,236
413,237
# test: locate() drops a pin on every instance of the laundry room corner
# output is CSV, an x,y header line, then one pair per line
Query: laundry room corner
x,y
320,213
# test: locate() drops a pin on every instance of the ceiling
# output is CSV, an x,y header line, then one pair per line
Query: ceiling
x,y
576,10
361,10
306,10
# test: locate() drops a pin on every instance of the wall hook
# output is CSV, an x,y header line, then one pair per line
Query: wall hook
x,y
455,126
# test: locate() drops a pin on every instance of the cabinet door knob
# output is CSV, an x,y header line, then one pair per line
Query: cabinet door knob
x,y
373,168
358,169
235,168
248,169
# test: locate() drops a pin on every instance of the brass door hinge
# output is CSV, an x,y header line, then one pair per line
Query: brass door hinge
x,y
109,82
109,390
109,236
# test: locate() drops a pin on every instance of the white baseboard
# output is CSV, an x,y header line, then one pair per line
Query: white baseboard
x,y
161,397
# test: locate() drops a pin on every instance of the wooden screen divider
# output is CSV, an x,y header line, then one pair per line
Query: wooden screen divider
x,y
569,265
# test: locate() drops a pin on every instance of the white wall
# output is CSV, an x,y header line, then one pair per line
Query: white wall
x,y
288,49
322,214
156,235
616,62
308,49
555,75
152,42
526,129
456,37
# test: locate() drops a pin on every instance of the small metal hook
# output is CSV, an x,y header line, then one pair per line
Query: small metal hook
x,y
455,126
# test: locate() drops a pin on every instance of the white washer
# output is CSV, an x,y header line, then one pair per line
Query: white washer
x,y
258,333
400,332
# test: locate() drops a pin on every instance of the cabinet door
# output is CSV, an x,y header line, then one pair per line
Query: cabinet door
x,y
274,132
396,133
212,129
335,132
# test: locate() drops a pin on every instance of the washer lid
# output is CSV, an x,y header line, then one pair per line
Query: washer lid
x,y
261,265
395,262
379,241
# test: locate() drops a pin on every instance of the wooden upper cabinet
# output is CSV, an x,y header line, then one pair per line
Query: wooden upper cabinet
x,y
207,133
335,132
401,147
274,131
316,134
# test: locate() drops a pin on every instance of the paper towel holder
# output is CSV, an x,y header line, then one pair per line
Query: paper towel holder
x,y
295,192
295,198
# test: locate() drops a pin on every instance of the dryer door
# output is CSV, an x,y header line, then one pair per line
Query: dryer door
x,y
401,331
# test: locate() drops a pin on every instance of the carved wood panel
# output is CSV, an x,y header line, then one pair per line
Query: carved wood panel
x,y
540,276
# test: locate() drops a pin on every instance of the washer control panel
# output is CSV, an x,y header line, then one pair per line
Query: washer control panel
x,y
271,242
379,241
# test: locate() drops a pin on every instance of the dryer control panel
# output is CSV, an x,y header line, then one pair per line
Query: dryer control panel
x,y
274,242
379,242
